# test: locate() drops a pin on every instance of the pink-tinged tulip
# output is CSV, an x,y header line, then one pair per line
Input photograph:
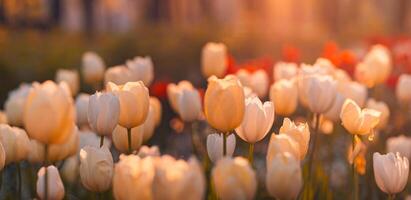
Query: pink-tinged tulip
x,y
401,144
333,113
14,105
189,105
280,144
284,70
141,69
214,60
89,138
320,93
55,187
215,146
402,90
284,95
71,77
92,68
382,107
390,172
174,92
258,81
357,121
355,91
81,109
119,75
15,143
299,133
103,112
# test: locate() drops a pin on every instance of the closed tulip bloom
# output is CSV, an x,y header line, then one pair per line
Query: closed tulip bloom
x,y
134,103
92,67
81,109
357,121
103,112
355,91
305,74
299,133
71,77
401,144
214,60
120,138
49,113
284,176
234,178
14,105
186,179
96,168
390,172
333,113
280,144
320,92
133,178
382,107
141,69
402,90
284,95
146,151
284,70
189,105
258,81
258,119
15,143
215,146
54,184
89,138
119,75
2,157
175,90
224,103
157,108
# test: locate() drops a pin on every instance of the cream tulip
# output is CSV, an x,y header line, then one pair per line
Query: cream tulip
x,y
96,168
214,60
280,144
119,75
174,91
284,176
299,133
120,139
305,73
146,151
320,92
382,107
402,90
257,121
49,113
157,108
333,113
355,91
186,179
141,69
15,143
14,105
234,178
401,144
284,95
71,77
258,81
215,146
55,187
81,109
357,121
92,67
284,70
390,172
103,112
224,103
189,105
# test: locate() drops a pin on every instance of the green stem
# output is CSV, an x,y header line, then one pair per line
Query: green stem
x,y
19,177
46,149
101,141
251,153
391,197
312,153
225,144
354,174
129,140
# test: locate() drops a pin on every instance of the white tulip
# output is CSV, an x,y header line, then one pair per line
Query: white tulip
x,y
299,133
214,60
280,144
14,105
89,138
146,151
103,112
119,75
215,146
333,113
141,69
81,109
320,93
382,107
401,144
189,105
71,77
284,70
390,172
355,91
55,187
174,91
92,67
257,81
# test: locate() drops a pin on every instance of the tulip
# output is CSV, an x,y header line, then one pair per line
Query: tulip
x,y
382,107
96,168
119,75
299,133
14,105
15,143
224,103
133,178
402,90
215,146
390,172
71,77
325,65
341,76
49,113
81,109
284,177
89,138
401,144
3,117
305,74
103,112
174,91
233,178
189,105
120,140
320,92
146,151
353,90
284,94
333,113
186,179
257,81
92,67
248,92
357,121
54,189
214,60
70,169
157,108
141,69
280,144
284,70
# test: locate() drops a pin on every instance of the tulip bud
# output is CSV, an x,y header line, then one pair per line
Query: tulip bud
x,y
215,146
390,172
299,133
121,142
284,177
103,112
14,105
81,109
399,144
49,113
234,178
224,103
382,107
189,105
71,77
257,121
146,151
141,69
134,103
403,91
280,144
92,67
174,92
214,60
320,92
357,121
55,187
15,143
157,108
355,91
119,75
96,168
284,95
284,70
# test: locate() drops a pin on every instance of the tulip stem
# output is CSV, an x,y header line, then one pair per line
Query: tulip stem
x,y
312,153
391,197
251,153
19,177
129,140
46,149
354,174
225,144
101,141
